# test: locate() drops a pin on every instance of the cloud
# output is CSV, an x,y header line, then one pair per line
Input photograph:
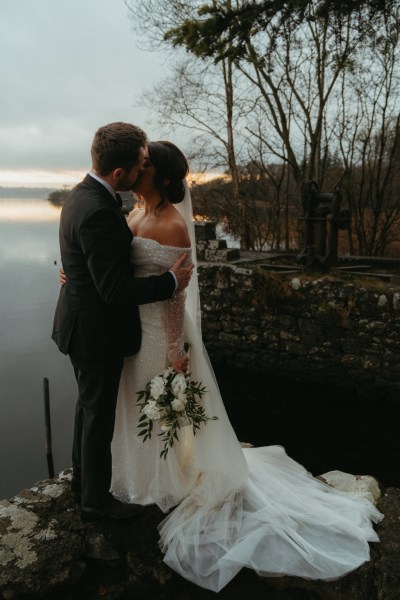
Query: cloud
x,y
68,67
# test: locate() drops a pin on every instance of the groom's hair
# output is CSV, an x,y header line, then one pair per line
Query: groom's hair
x,y
117,145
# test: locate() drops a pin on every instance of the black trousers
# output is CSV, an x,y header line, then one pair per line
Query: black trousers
x,y
98,383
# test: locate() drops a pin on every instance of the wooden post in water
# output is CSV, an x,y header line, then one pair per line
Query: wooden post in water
x,y
47,423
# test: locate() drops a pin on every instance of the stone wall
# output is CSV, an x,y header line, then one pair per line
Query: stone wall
x,y
318,329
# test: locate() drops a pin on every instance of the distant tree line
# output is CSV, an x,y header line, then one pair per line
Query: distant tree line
x,y
278,93
58,197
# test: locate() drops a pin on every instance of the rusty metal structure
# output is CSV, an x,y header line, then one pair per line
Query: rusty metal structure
x,y
322,219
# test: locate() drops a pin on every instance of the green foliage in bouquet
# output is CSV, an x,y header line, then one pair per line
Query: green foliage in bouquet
x,y
170,400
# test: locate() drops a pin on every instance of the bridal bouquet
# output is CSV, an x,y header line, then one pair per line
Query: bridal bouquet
x,y
169,400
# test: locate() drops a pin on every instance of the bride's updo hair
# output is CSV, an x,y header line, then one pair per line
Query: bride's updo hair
x,y
171,168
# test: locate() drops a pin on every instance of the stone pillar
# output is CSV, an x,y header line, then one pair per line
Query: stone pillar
x,y
208,247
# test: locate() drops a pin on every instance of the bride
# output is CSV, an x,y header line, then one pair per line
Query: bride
x,y
233,507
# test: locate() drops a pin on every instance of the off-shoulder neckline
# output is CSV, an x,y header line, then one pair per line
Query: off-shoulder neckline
x,y
139,237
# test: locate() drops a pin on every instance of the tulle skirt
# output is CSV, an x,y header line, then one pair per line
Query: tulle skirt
x,y
281,522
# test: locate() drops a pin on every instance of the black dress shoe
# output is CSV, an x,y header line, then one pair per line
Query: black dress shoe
x,y
116,512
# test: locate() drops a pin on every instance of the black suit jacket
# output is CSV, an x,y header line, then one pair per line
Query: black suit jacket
x,y
97,311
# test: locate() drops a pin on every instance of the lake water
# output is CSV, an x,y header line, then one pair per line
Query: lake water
x,y
28,294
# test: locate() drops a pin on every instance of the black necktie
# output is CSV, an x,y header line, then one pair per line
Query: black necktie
x,y
118,200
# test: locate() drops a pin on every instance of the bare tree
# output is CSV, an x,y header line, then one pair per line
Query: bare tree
x,y
368,137
279,98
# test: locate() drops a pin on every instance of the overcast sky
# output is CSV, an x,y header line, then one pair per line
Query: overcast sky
x,y
66,68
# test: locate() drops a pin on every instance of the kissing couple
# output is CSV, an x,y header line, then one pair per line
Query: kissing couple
x,y
129,303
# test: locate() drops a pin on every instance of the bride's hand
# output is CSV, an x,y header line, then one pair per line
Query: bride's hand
x,y
180,364
63,277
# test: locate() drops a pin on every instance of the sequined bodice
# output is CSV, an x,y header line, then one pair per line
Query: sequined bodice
x,y
152,258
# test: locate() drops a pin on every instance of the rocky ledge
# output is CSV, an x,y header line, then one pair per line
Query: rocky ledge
x,y
47,552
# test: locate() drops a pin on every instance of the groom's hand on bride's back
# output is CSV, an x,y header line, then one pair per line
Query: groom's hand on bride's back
x,y
182,272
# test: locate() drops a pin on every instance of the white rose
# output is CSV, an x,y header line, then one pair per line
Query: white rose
x,y
179,384
182,398
157,387
177,405
152,411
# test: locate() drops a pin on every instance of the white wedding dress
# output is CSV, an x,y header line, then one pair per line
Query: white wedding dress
x,y
234,507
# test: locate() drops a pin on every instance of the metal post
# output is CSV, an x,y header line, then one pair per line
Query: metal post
x,y
49,451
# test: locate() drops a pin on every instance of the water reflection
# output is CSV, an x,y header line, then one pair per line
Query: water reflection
x,y
28,243
29,258
27,211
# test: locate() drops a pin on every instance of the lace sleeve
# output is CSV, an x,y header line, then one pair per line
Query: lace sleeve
x,y
175,323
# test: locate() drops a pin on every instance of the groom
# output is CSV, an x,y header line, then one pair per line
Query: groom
x,y
97,319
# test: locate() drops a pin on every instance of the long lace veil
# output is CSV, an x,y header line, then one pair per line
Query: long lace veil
x,y
219,452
